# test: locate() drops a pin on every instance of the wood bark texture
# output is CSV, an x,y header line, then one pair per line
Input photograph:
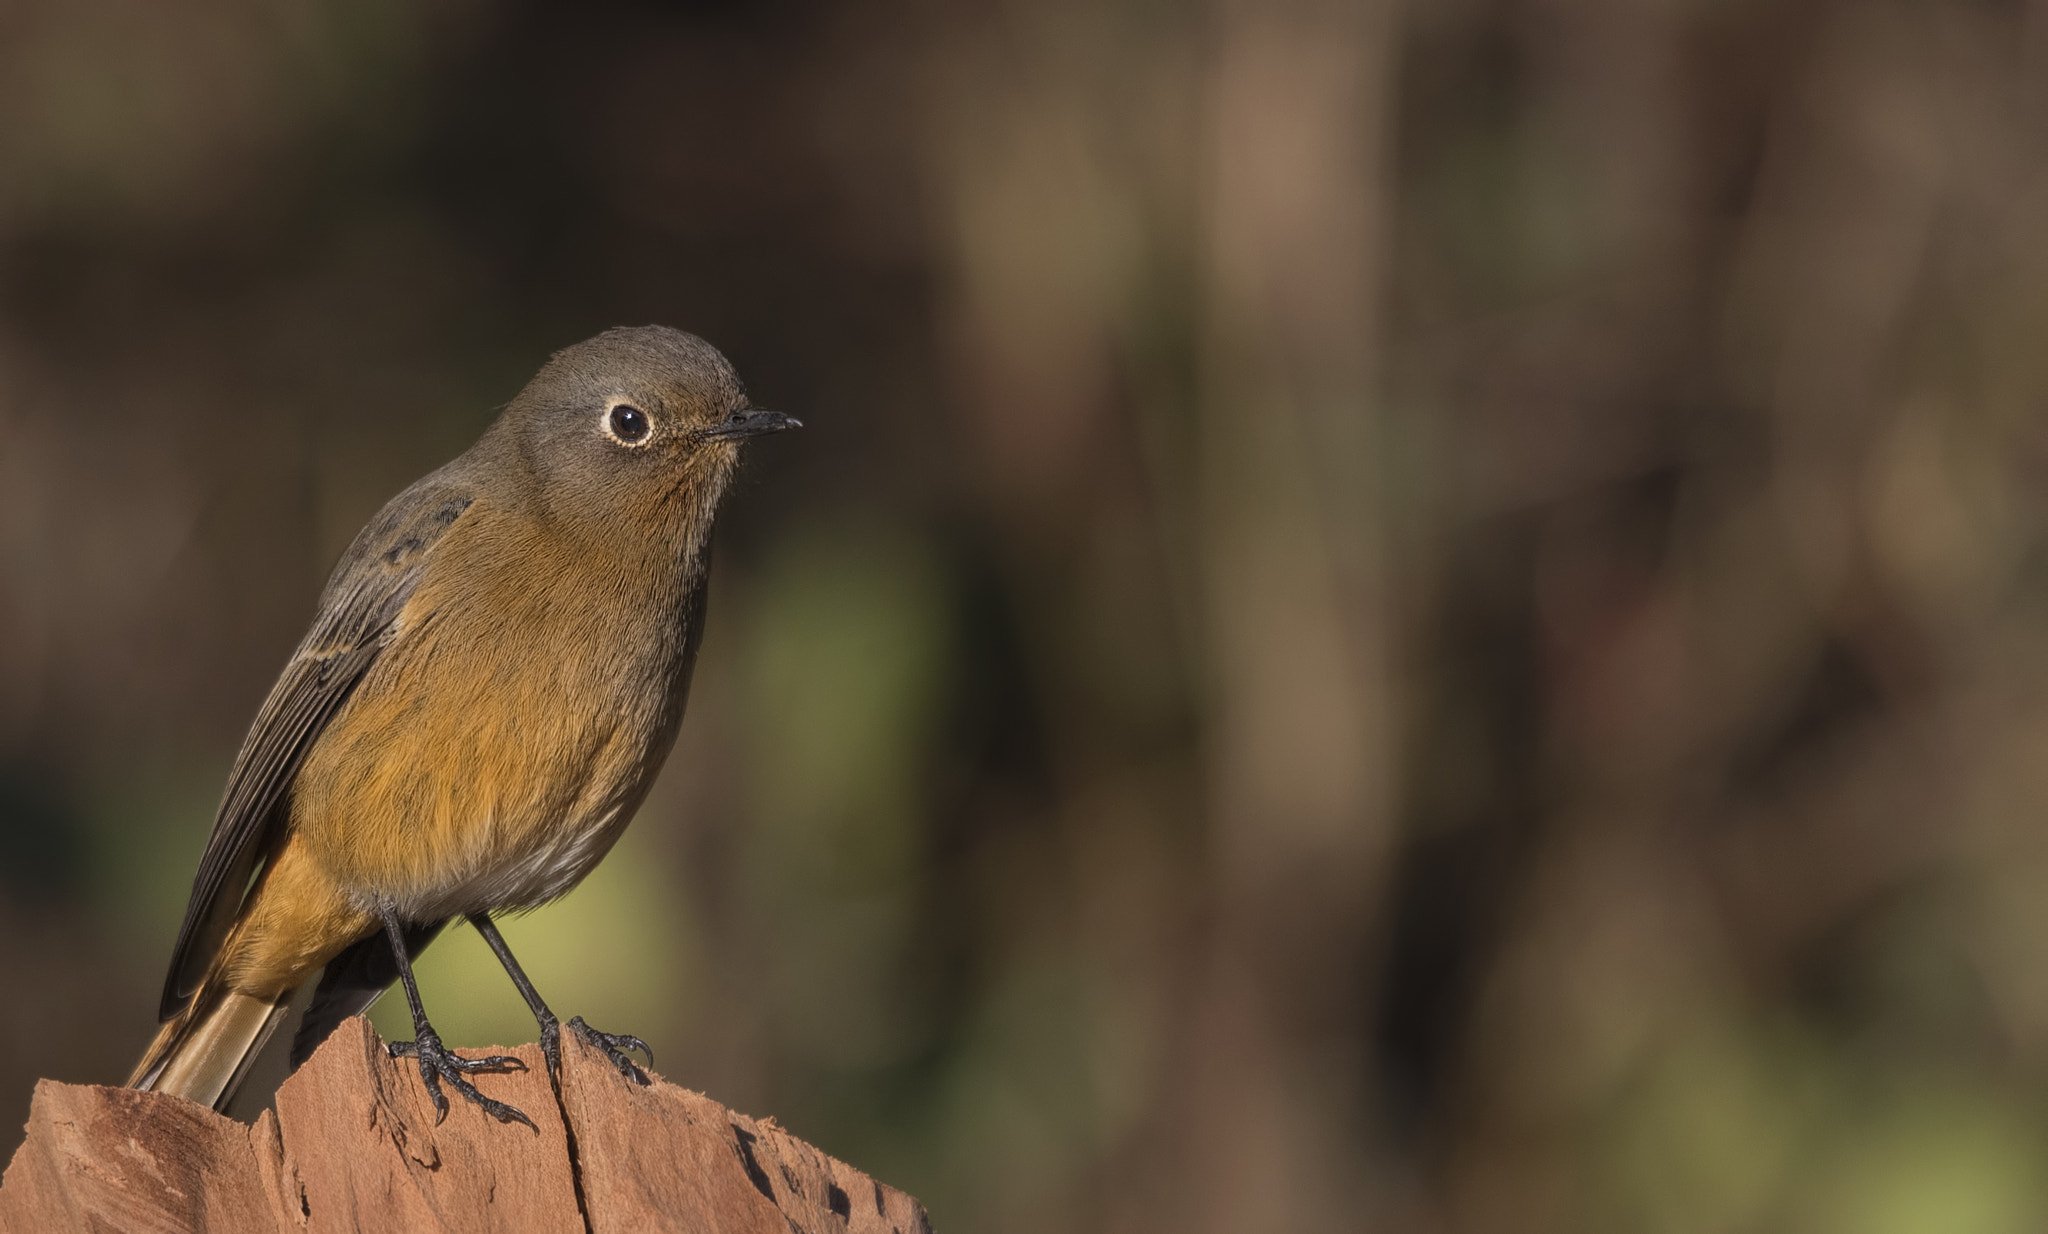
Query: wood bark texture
x,y
353,1146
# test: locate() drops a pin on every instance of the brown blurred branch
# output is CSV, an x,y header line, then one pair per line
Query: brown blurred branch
x,y
353,1145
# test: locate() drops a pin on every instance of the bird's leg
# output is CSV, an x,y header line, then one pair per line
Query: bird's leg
x,y
438,1062
550,1027
612,1045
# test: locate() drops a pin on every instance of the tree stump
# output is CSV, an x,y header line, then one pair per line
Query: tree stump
x,y
353,1146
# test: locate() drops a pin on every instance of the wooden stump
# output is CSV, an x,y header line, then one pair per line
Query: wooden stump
x,y
353,1146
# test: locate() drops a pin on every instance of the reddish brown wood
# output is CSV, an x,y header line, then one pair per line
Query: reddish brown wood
x,y
665,1158
354,1146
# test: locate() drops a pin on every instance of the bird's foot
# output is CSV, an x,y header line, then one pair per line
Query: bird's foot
x,y
438,1062
614,1047
551,1047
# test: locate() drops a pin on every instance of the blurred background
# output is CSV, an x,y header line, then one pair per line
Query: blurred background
x,y
1417,618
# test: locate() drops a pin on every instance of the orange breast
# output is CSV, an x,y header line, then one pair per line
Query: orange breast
x,y
499,744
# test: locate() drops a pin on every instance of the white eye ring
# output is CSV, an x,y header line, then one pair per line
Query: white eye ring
x,y
627,425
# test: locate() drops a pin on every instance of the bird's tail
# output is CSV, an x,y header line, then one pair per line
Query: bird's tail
x,y
203,1052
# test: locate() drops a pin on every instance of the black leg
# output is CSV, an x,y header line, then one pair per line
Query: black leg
x,y
437,1062
612,1045
550,1027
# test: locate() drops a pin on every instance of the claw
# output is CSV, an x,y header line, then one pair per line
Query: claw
x,y
551,1047
614,1046
437,1063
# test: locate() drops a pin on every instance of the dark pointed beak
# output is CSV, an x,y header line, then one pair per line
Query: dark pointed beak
x,y
748,422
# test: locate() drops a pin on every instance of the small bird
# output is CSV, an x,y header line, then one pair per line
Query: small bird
x,y
495,673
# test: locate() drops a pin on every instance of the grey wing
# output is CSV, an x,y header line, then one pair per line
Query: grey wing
x,y
357,611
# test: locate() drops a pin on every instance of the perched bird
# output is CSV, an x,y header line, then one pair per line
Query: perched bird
x,y
493,678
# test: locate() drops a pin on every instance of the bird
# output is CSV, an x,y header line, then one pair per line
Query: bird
x,y
495,672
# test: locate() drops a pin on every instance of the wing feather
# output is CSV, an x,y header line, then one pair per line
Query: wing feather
x,y
357,618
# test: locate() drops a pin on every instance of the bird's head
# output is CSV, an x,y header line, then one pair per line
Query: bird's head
x,y
635,433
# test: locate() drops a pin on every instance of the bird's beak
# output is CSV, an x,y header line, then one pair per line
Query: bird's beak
x,y
748,422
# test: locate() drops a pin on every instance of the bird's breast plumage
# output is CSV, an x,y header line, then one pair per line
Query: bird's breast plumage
x,y
506,734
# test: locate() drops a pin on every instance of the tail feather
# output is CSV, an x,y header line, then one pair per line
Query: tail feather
x,y
203,1052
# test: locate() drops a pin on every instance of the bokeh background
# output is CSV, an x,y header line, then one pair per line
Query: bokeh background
x,y
1414,618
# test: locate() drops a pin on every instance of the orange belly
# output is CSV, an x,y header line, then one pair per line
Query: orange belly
x,y
298,920
469,771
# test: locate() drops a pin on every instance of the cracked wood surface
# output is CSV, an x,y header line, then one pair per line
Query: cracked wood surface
x,y
353,1146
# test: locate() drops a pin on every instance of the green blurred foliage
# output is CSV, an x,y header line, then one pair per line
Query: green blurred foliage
x,y
849,649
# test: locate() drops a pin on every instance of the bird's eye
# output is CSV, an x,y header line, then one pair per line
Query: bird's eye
x,y
628,424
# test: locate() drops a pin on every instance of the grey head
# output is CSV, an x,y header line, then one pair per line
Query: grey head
x,y
634,432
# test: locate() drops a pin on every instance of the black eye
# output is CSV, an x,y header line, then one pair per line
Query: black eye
x,y
629,424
